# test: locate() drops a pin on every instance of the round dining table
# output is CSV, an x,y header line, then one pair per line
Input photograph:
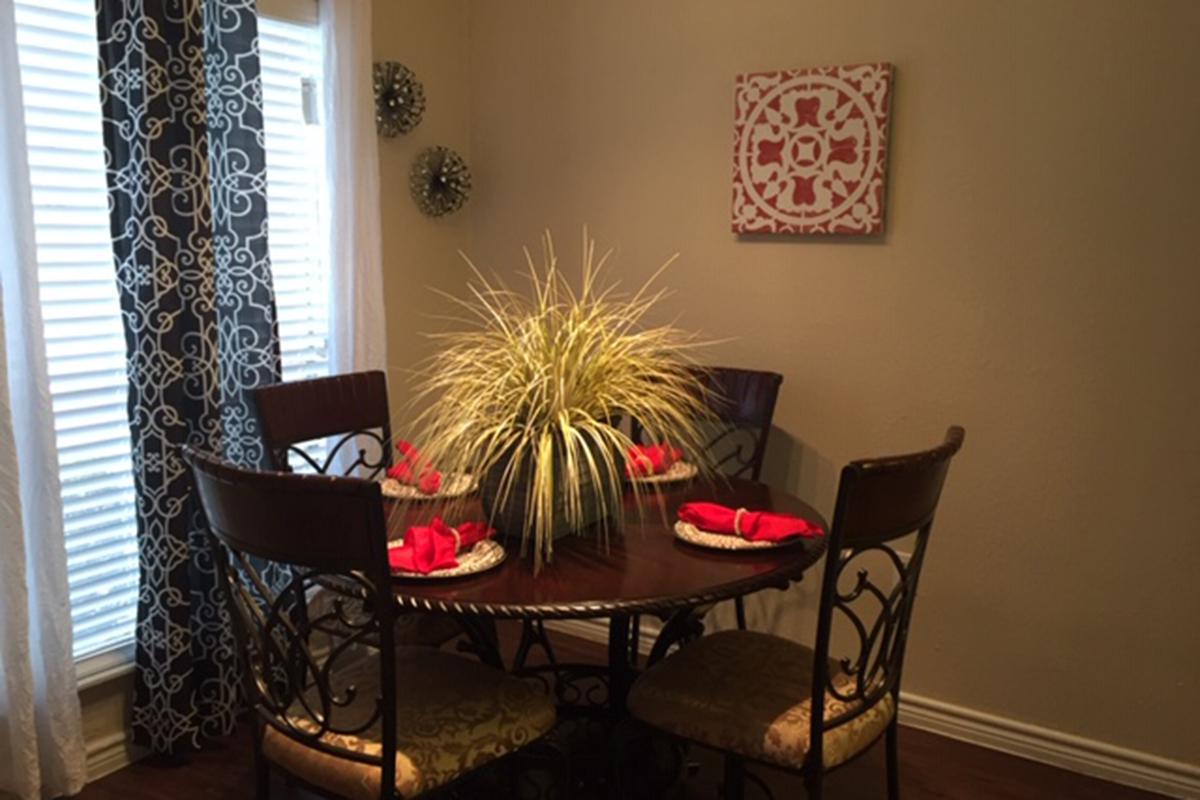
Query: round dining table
x,y
638,567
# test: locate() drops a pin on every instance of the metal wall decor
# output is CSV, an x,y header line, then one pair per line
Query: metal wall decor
x,y
399,99
440,181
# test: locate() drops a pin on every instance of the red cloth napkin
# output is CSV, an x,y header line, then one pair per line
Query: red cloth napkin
x,y
651,459
436,546
755,526
414,470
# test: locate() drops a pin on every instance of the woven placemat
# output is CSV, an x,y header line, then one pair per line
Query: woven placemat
x,y
455,485
483,556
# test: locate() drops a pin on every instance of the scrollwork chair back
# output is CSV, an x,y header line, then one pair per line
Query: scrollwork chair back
x,y
352,407
295,674
879,501
743,405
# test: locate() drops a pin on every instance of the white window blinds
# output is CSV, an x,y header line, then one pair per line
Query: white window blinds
x,y
84,338
56,43
290,55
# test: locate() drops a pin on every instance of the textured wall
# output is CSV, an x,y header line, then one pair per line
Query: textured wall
x,y
1037,283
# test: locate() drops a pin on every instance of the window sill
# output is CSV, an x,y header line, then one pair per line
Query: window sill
x,y
103,667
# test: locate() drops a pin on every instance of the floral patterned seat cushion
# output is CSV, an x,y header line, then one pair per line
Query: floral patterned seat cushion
x,y
453,715
750,693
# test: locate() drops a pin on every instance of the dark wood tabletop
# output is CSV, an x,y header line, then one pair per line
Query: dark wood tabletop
x,y
643,568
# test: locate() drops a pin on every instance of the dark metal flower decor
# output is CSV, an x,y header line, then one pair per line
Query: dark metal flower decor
x,y
399,99
440,181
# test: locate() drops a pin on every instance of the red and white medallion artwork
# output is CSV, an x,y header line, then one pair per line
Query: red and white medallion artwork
x,y
810,150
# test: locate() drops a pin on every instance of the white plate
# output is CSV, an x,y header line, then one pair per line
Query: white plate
x,y
454,485
724,541
485,555
679,471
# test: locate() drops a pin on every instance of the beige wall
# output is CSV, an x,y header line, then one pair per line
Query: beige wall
x,y
419,252
1037,283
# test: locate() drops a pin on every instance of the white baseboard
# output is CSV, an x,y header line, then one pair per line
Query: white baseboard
x,y
1045,745
1056,748
110,753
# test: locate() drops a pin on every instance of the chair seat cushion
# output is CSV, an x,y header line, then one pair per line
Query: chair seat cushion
x,y
750,693
453,715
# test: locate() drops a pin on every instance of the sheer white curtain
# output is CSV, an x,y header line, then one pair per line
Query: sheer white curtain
x,y
41,740
357,331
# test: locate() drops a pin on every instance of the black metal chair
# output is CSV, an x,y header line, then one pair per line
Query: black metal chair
x,y
352,716
743,405
354,408
752,695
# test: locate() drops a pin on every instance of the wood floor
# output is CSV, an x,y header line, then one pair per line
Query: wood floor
x,y
931,768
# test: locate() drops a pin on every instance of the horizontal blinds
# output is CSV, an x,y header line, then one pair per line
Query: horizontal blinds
x,y
85,345
290,57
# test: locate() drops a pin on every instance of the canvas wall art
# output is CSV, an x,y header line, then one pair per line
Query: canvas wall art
x,y
810,150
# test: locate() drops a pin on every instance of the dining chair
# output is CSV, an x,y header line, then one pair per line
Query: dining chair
x,y
743,401
363,718
353,410
752,695
743,406
352,407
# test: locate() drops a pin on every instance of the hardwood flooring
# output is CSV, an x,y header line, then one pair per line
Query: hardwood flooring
x,y
931,768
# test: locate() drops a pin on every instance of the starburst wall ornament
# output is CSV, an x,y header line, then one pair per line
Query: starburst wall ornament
x,y
399,99
440,181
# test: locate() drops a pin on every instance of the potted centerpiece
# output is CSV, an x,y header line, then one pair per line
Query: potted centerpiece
x,y
529,397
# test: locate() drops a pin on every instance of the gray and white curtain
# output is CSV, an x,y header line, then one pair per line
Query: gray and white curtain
x,y
182,105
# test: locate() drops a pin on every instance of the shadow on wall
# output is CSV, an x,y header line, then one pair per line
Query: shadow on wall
x,y
793,466
823,239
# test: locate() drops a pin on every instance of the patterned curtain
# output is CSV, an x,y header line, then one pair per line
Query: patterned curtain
x,y
182,105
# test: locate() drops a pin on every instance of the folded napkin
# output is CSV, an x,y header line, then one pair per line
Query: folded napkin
x,y
414,470
755,526
436,546
651,459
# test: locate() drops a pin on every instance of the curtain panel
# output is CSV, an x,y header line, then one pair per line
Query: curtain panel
x,y
42,751
181,98
351,227
358,331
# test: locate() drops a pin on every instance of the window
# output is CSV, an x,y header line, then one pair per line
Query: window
x,y
290,55
85,344
84,340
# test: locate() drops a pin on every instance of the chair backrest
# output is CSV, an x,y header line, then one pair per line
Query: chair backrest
x,y
879,500
743,405
271,535
353,407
